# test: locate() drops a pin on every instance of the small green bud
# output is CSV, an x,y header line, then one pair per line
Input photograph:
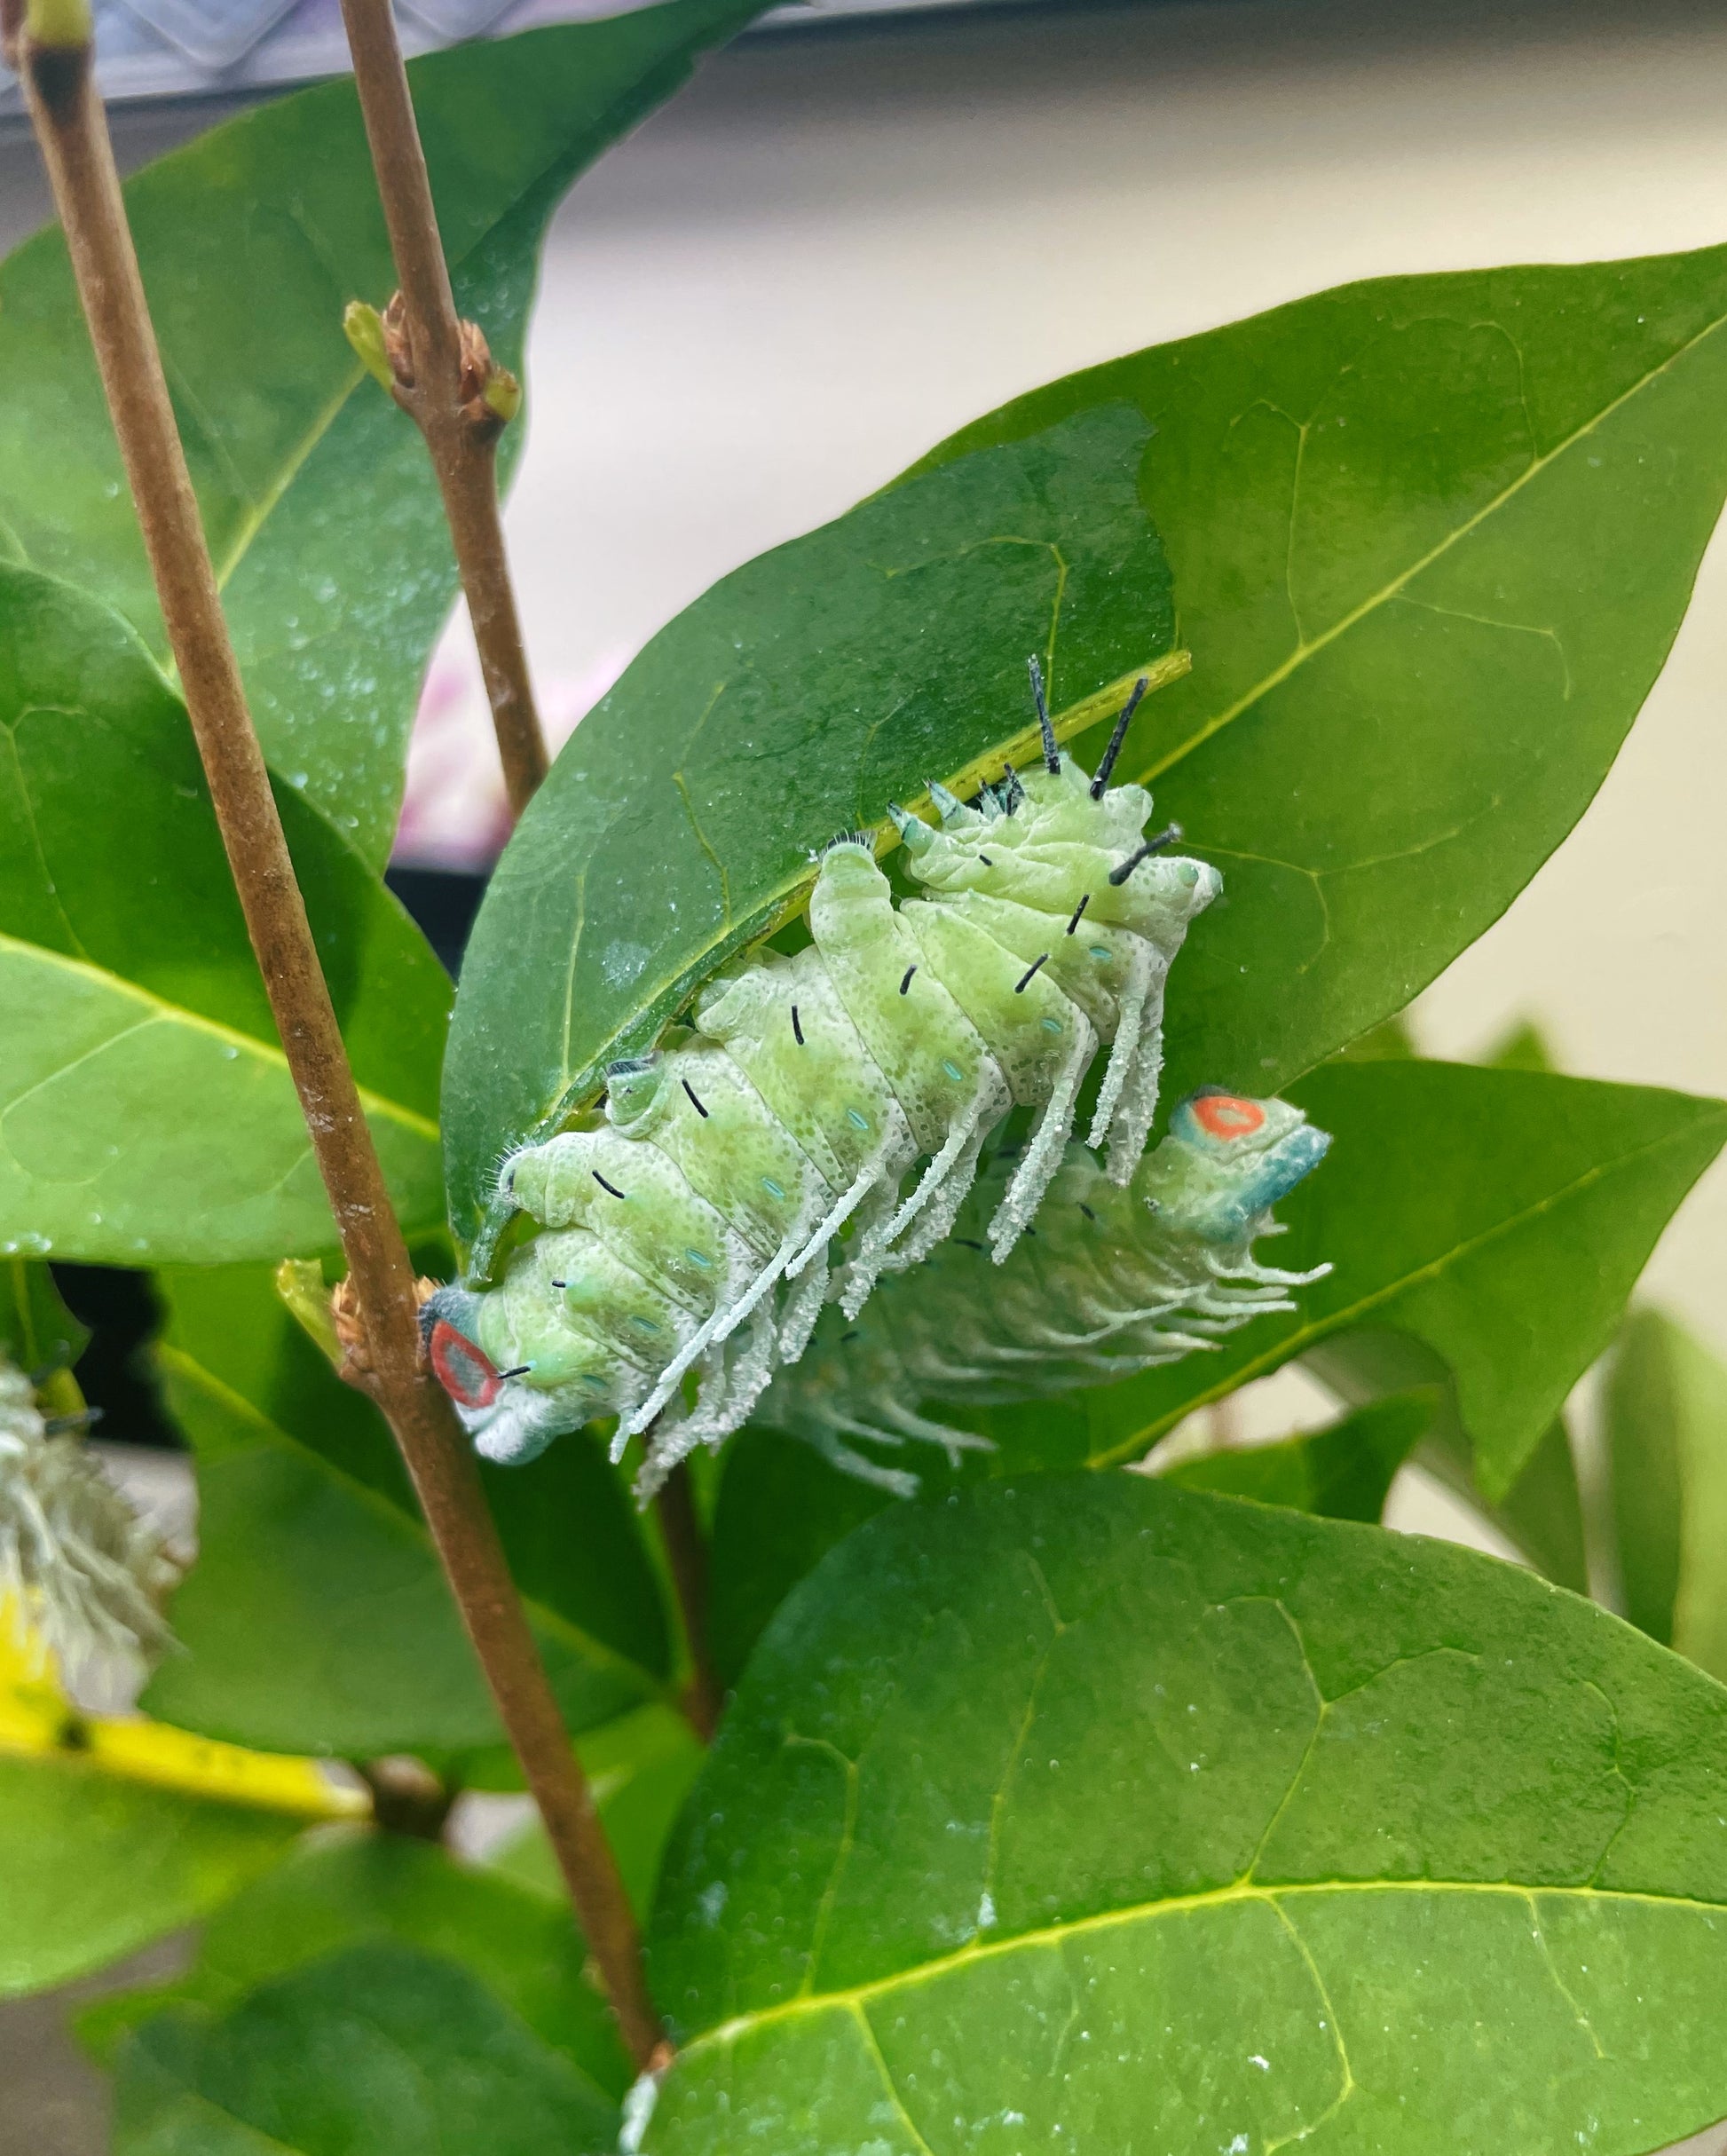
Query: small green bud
x,y
363,328
502,394
57,24
299,1283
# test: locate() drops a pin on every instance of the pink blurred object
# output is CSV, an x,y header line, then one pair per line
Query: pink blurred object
x,y
453,811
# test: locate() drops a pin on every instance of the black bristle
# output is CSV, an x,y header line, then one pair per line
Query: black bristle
x,y
906,982
797,1030
520,1370
1167,837
694,1103
1051,752
1100,777
1024,980
602,1181
1078,910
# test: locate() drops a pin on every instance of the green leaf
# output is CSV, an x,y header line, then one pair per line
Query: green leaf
x,y
1433,538
146,1105
1147,1819
1342,1473
1501,1218
317,1618
781,1509
1541,1512
640,1768
794,700
1666,1429
317,493
1524,1048
358,1886
93,1864
36,1329
380,2049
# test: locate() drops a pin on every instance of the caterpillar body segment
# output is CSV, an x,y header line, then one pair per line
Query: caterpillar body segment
x,y
823,1118
1113,1282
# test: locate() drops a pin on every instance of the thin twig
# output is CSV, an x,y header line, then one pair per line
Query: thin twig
x,y
444,377
686,1555
436,367
55,63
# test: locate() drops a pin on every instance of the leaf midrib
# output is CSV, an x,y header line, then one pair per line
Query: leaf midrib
x,y
595,1651
1274,1354
770,910
1238,1891
157,1009
1306,648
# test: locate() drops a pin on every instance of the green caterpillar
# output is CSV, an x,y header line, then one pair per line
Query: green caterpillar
x,y
688,1226
80,1568
1113,1282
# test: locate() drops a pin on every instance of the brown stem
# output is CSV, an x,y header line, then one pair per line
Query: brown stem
x,y
438,378
407,1798
686,1553
438,387
73,130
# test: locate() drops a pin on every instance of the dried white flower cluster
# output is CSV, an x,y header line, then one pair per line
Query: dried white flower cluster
x,y
85,1573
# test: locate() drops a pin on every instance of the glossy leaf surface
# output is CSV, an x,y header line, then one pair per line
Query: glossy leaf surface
x,y
1410,672
36,1329
317,494
146,1107
112,1832
76,1890
782,1507
1343,1472
1499,1217
380,2048
1153,1819
1666,1427
317,1617
1431,537
792,702
640,1768
360,1886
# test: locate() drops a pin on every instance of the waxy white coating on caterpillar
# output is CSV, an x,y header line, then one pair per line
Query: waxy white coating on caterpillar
x,y
690,1230
84,1572
1113,1282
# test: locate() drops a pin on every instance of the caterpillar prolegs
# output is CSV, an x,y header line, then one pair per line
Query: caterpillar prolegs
x,y
846,1092
1113,1282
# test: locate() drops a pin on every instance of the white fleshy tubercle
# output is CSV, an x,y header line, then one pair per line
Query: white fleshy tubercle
x,y
86,1573
1118,1281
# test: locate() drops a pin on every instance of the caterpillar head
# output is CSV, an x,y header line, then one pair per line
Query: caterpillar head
x,y
1226,1162
1055,838
517,1378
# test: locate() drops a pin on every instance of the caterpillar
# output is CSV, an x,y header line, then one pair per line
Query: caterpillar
x,y
688,1226
1113,1282
81,1568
